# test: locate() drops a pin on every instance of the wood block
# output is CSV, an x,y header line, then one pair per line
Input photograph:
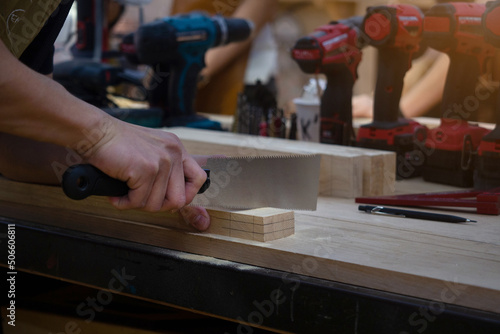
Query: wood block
x,y
242,226
241,234
345,172
239,224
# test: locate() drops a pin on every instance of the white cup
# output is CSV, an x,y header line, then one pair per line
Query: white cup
x,y
308,119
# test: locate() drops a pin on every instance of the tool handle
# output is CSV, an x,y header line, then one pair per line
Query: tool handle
x,y
461,81
182,86
82,181
392,67
336,106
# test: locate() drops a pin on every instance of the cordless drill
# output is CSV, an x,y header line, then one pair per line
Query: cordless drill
x,y
396,32
455,28
487,170
175,48
334,50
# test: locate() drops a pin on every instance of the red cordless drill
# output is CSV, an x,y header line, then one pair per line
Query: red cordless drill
x,y
334,50
396,31
455,28
487,172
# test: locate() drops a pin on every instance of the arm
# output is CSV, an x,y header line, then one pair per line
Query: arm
x,y
155,165
259,12
428,91
422,96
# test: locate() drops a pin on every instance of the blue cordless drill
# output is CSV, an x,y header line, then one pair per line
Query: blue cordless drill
x,y
176,46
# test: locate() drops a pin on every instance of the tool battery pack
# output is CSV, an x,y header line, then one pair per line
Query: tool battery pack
x,y
403,138
450,150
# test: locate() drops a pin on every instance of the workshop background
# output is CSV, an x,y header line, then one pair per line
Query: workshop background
x,y
52,304
295,19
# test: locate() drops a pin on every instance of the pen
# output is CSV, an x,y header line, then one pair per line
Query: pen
x,y
414,214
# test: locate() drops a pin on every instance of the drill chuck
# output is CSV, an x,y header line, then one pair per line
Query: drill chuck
x,y
232,30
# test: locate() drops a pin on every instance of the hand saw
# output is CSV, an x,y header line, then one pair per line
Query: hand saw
x,y
289,182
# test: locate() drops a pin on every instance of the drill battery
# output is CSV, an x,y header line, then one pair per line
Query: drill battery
x,y
450,151
455,28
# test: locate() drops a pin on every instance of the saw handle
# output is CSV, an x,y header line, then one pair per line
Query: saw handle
x,y
82,181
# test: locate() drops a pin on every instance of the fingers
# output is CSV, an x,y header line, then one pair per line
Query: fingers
x,y
138,195
175,195
159,172
171,188
194,178
160,190
196,216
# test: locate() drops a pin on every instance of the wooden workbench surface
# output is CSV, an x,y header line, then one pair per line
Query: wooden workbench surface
x,y
442,262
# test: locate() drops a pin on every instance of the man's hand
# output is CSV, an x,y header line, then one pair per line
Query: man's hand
x,y
197,216
161,175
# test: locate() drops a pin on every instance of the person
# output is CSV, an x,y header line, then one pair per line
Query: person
x,y
43,127
229,67
425,78
423,88
423,96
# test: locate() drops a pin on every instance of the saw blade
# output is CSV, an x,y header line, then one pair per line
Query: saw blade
x,y
288,182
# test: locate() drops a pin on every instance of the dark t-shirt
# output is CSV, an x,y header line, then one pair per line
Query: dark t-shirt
x,y
39,54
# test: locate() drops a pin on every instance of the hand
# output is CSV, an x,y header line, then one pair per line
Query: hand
x,y
161,175
198,217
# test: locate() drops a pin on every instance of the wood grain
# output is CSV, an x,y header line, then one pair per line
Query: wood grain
x,y
345,172
263,224
441,262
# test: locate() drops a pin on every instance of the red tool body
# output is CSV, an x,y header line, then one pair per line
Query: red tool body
x,y
396,31
334,50
455,28
487,172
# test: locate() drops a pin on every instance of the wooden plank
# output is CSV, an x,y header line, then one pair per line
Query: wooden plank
x,y
345,172
444,263
245,224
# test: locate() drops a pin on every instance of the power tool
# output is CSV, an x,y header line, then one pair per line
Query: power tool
x,y
396,32
175,49
455,28
334,50
487,171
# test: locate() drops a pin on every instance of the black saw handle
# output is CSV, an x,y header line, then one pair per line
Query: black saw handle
x,y
82,181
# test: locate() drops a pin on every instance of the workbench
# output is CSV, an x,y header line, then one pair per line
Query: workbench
x,y
342,271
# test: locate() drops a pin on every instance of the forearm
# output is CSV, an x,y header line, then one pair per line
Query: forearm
x,y
26,160
36,107
428,91
259,12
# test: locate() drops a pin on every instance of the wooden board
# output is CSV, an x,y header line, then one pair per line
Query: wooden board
x,y
345,172
262,224
442,262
